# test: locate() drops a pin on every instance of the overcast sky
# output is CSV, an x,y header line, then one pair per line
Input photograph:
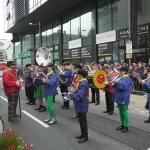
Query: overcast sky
x,y
2,34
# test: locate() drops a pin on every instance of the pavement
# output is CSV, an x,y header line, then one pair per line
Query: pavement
x,y
61,136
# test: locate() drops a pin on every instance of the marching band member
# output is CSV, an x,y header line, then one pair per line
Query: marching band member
x,y
11,88
50,91
109,92
74,83
95,90
29,84
82,103
39,92
121,96
64,87
146,88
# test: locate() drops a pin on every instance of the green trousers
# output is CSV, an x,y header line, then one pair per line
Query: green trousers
x,y
49,100
123,111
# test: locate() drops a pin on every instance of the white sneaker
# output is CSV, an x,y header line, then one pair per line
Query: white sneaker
x,y
48,119
53,121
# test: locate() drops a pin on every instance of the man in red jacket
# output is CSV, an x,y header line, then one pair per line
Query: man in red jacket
x,y
11,87
109,92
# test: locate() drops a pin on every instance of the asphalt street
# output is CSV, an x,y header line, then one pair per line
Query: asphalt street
x,y
61,136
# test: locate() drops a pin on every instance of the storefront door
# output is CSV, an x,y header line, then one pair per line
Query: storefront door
x,y
138,57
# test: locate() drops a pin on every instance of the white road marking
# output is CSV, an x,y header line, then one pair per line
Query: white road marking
x,y
3,98
35,119
29,115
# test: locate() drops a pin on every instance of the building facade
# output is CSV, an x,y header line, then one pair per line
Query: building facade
x,y
6,50
77,31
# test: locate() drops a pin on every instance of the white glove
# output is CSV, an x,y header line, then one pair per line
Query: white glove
x,y
17,83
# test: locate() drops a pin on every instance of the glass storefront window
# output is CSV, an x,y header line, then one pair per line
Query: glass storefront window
x,y
26,60
44,44
75,28
37,40
56,35
115,52
121,51
66,32
49,35
104,18
18,62
26,43
17,48
86,26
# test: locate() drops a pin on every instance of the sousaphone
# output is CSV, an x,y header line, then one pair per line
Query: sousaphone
x,y
43,56
99,78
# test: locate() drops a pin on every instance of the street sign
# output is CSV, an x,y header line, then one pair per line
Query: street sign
x,y
128,56
129,47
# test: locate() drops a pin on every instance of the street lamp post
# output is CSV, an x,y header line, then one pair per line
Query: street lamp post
x,y
39,25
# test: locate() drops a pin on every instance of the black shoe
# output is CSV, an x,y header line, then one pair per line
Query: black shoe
x,y
43,109
97,103
91,102
106,111
147,121
110,113
61,106
65,107
125,130
40,107
83,140
120,128
32,104
79,137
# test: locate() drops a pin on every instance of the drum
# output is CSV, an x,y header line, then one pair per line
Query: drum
x,y
99,78
1,128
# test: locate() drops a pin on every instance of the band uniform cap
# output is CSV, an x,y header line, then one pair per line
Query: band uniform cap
x,y
78,66
83,73
10,63
124,69
51,65
66,63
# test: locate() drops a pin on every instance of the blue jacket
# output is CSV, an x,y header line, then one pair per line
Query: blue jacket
x,y
29,80
51,86
82,103
146,87
122,91
67,75
39,82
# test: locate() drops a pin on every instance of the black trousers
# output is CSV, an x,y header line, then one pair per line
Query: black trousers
x,y
95,91
83,124
27,91
64,89
109,102
31,94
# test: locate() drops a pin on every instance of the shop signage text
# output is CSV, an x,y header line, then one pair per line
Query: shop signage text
x,y
75,44
66,54
86,51
141,30
106,37
75,53
105,48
